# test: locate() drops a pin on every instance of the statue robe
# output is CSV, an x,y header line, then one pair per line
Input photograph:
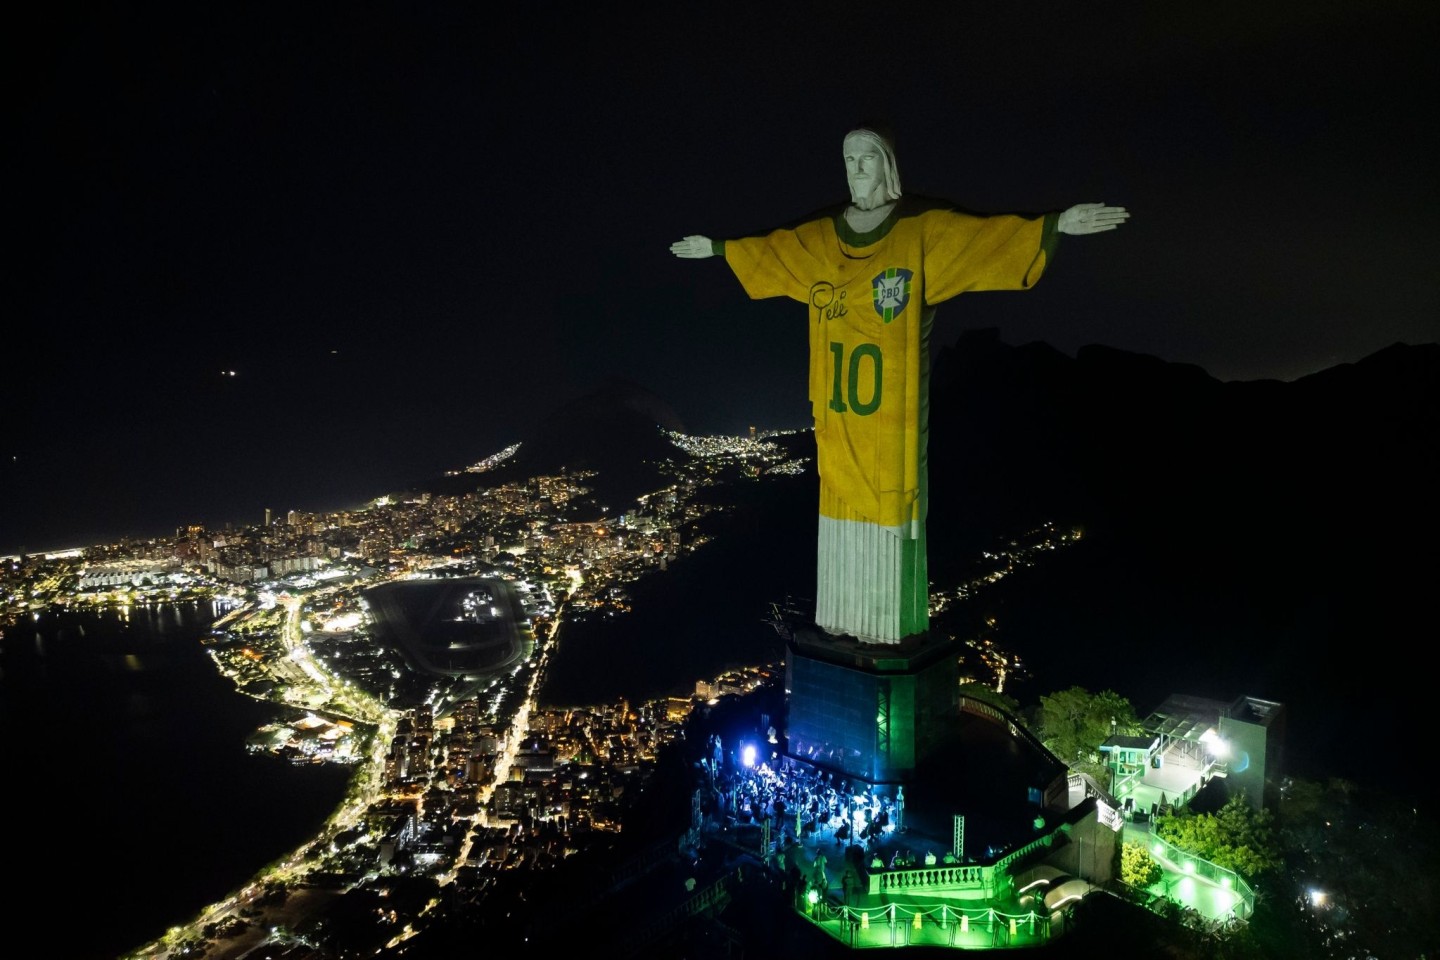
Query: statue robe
x,y
872,297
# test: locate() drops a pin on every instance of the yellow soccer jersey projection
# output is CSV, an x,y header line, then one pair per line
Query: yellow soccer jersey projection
x,y
871,298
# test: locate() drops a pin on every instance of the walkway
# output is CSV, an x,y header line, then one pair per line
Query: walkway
x,y
1221,897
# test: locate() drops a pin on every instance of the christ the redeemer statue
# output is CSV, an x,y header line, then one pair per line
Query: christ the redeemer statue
x,y
873,272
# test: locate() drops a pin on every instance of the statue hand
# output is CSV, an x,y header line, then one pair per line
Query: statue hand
x,y
1091,218
693,247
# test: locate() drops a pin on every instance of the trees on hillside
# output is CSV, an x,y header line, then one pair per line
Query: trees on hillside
x,y
1237,837
1138,868
1074,723
1359,869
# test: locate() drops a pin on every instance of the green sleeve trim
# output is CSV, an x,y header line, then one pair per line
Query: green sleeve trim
x,y
1050,236
717,247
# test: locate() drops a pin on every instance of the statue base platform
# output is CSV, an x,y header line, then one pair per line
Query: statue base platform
x,y
872,711
911,653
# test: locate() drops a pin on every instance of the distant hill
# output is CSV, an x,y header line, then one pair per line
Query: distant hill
x,y
1127,445
1132,444
616,430
1258,476
1264,538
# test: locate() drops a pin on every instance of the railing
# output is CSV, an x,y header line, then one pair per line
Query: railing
x,y
994,714
717,894
974,880
1015,728
1195,866
1003,864
939,925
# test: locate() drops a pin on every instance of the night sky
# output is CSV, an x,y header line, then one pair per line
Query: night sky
x,y
409,230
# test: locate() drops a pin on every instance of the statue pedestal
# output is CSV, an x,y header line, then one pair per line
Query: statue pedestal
x,y
869,711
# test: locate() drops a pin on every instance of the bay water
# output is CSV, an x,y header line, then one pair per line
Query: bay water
x,y
127,776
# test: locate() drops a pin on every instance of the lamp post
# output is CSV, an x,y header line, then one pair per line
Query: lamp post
x,y
1114,759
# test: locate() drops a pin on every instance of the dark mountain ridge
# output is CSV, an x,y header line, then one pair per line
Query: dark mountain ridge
x,y
1124,444
1263,477
1262,538
1130,443
615,431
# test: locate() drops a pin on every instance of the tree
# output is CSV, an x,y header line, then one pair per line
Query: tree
x,y
1237,837
1073,723
1371,854
1137,868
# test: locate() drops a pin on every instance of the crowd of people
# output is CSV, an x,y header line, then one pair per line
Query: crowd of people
x,y
805,804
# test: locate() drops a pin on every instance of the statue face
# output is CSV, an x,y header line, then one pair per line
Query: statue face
x,y
865,169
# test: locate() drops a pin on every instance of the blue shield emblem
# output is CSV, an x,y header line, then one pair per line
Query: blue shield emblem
x,y
891,291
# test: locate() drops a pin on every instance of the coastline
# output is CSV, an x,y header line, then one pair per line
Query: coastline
x,y
132,722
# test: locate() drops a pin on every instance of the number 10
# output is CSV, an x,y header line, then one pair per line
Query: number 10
x,y
838,397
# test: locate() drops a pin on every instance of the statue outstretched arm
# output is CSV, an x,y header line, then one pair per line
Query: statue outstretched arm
x,y
693,247
1091,218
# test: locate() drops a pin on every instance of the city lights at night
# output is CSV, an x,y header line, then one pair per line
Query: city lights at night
x,y
722,481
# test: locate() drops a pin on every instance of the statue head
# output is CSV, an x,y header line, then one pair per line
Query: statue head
x,y
870,168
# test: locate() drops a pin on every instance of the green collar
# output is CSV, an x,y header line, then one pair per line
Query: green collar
x,y
856,239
